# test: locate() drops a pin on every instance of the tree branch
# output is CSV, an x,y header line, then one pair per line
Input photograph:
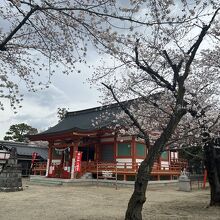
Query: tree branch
x,y
215,122
147,100
154,75
144,135
190,154
174,67
89,11
17,28
196,45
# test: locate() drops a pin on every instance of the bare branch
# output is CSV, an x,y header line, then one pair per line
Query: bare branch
x,y
193,155
118,17
9,37
154,75
174,67
215,122
196,45
144,135
147,100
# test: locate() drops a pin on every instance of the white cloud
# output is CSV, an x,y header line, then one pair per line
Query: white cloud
x,y
40,108
66,91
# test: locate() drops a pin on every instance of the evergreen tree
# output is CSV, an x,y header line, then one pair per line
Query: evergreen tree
x,y
18,132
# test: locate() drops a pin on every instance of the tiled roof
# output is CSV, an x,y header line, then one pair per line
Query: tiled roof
x,y
25,149
84,120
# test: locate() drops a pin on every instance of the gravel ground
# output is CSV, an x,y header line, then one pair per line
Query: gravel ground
x,y
102,203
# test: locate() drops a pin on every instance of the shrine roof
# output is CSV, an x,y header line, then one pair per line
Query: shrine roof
x,y
88,120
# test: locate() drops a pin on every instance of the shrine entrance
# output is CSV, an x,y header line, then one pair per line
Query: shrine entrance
x,y
88,152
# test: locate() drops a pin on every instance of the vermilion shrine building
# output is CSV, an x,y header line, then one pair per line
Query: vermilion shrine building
x,y
100,145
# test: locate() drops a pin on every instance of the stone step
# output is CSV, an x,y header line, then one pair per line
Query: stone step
x,y
87,176
45,182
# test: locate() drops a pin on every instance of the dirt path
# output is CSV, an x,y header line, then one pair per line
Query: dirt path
x,y
102,203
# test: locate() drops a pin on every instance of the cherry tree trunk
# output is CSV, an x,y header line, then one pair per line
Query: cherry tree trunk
x,y
138,198
212,164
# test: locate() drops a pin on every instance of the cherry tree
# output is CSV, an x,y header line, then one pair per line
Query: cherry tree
x,y
172,68
61,113
164,51
39,38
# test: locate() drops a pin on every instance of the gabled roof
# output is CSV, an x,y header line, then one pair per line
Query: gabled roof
x,y
85,120
91,120
25,149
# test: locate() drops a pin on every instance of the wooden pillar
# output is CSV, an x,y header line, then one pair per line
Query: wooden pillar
x,y
75,148
49,159
159,163
133,152
71,156
62,160
125,177
169,157
115,147
70,160
87,153
96,155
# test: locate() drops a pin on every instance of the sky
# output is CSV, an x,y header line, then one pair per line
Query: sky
x,y
39,109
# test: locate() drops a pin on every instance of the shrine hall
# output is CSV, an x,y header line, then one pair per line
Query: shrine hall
x,y
85,139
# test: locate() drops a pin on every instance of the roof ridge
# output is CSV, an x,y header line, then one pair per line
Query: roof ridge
x,y
98,108
21,144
